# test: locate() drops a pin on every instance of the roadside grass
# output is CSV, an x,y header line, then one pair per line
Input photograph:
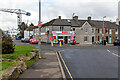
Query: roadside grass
x,y
19,50
6,64
29,62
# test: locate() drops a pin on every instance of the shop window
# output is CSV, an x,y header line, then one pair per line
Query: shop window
x,y
85,38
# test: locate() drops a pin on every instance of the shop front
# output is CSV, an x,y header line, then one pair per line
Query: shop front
x,y
63,36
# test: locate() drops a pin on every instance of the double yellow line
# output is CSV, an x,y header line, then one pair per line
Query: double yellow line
x,y
65,66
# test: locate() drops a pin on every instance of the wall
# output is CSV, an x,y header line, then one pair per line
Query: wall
x,y
80,34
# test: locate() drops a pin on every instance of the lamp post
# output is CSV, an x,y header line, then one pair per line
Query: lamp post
x,y
103,30
39,44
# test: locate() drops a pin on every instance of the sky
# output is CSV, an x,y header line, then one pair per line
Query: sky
x,y
51,9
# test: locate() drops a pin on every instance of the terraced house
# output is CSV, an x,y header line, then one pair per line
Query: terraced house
x,y
84,31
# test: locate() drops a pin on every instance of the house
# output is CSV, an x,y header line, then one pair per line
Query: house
x,y
84,31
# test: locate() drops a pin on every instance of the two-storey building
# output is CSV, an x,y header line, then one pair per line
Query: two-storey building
x,y
84,31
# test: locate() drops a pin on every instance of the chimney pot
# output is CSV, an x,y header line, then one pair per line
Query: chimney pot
x,y
89,18
59,17
75,17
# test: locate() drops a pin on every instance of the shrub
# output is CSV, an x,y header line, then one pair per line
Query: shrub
x,y
7,45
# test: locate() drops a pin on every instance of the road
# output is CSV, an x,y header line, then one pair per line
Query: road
x,y
87,61
92,62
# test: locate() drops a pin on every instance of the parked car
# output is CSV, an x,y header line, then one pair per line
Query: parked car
x,y
116,42
26,40
22,40
73,42
33,41
18,37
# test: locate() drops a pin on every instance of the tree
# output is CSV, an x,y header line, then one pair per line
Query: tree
x,y
31,24
22,28
7,43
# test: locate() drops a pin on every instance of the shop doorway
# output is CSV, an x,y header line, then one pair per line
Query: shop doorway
x,y
107,39
66,40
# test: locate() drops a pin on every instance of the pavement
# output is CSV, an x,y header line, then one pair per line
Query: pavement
x,y
44,68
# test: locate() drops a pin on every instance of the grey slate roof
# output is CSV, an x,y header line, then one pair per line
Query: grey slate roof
x,y
79,23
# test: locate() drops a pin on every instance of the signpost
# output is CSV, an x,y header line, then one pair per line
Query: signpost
x,y
39,25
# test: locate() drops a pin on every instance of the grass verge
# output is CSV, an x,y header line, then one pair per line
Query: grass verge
x,y
7,64
30,62
19,50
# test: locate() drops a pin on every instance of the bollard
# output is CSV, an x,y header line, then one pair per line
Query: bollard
x,y
51,43
60,43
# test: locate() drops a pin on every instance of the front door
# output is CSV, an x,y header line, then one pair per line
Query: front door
x,y
92,39
110,40
107,39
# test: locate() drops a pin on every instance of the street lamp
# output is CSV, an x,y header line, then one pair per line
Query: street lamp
x,y
103,30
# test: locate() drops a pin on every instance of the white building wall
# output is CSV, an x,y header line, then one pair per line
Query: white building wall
x,y
26,34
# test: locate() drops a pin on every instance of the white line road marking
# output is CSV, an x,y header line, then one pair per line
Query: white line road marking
x,y
62,50
113,53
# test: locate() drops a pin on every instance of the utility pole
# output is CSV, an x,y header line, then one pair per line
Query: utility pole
x,y
39,44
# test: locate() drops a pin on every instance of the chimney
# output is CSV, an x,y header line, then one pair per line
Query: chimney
x,y
117,21
75,17
59,17
89,18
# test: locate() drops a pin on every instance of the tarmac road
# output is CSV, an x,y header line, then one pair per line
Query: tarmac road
x,y
97,62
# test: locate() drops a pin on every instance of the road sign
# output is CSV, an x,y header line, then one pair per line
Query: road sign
x,y
40,25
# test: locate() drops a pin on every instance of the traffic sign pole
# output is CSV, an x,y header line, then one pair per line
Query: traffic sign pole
x,y
39,44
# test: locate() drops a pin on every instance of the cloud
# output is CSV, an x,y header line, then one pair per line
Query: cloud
x,y
53,8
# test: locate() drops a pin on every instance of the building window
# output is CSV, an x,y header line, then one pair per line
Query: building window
x,y
98,38
73,29
100,30
61,28
86,39
110,31
116,31
92,30
106,31
86,30
116,37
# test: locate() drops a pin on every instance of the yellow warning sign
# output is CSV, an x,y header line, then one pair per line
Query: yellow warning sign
x,y
39,37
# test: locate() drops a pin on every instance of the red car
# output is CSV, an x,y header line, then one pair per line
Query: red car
x,y
73,42
33,41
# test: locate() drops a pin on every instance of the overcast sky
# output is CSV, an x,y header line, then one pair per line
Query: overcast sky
x,y
53,8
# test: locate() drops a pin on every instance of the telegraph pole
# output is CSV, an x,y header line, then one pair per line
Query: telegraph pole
x,y
39,44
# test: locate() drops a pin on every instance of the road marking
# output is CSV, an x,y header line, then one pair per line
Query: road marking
x,y
66,66
62,50
113,53
63,74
